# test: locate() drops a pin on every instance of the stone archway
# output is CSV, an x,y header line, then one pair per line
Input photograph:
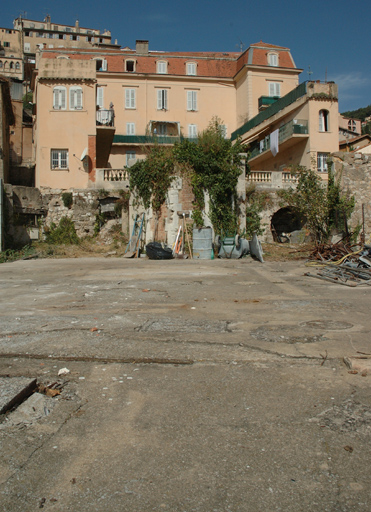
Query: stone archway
x,y
285,220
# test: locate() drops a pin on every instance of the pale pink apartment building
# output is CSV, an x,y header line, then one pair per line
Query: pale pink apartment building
x,y
96,109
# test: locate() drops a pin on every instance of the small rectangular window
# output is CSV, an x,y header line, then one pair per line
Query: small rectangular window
x,y
191,68
100,97
59,158
192,131
192,100
273,59
130,158
130,98
274,89
162,67
6,44
162,99
130,128
75,98
322,162
130,66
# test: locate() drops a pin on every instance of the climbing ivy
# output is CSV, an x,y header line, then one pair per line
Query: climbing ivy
x,y
213,164
151,178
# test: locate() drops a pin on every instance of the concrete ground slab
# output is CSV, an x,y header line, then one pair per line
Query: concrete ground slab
x,y
214,386
14,390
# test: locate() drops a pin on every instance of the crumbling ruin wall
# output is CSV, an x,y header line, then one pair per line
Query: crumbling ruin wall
x,y
83,210
354,170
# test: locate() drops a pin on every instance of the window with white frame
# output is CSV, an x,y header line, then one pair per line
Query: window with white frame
x,y
273,59
162,67
223,130
192,131
59,158
101,65
323,120
352,125
191,68
130,66
191,100
274,89
162,99
160,129
27,47
130,128
130,158
59,98
322,162
100,97
75,98
130,98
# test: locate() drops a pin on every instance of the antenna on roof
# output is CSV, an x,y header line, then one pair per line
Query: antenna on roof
x,y
241,46
309,72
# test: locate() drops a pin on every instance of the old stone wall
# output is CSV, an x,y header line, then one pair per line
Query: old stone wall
x,y
83,210
354,170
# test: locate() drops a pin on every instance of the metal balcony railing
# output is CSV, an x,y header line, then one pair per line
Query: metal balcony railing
x,y
148,139
280,104
266,101
105,117
293,127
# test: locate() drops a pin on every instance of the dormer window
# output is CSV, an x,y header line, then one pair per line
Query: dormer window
x,y
162,67
130,66
273,59
100,64
191,68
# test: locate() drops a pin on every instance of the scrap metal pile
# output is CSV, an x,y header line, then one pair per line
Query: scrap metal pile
x,y
342,263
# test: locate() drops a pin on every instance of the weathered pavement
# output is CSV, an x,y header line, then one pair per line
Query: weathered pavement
x,y
194,386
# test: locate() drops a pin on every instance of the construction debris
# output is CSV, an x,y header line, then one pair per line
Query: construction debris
x,y
342,263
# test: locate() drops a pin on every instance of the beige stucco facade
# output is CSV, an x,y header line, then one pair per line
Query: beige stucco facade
x,y
124,108
307,128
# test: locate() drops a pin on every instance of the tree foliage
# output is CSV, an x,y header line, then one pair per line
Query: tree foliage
x,y
151,178
64,233
323,207
211,162
214,165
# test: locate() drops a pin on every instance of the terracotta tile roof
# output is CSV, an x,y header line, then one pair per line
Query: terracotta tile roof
x,y
209,64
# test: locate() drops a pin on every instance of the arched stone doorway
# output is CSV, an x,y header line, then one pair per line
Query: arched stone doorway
x,y
285,220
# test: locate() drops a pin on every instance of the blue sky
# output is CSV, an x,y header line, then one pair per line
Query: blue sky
x,y
330,36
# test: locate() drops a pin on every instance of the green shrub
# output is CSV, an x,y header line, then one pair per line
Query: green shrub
x,y
67,199
64,233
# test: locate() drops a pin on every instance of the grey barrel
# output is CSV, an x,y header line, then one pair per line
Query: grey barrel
x,y
202,243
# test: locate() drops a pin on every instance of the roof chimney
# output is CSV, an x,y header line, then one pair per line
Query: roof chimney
x,y
141,47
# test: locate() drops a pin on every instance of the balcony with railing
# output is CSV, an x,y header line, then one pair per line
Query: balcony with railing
x,y
137,140
267,101
272,179
105,118
288,135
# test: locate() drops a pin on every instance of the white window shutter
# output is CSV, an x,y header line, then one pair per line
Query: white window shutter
x,y
63,98
164,99
159,99
129,98
78,98
56,98
104,65
189,100
100,97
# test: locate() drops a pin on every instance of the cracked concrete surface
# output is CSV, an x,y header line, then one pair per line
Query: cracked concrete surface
x,y
194,386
